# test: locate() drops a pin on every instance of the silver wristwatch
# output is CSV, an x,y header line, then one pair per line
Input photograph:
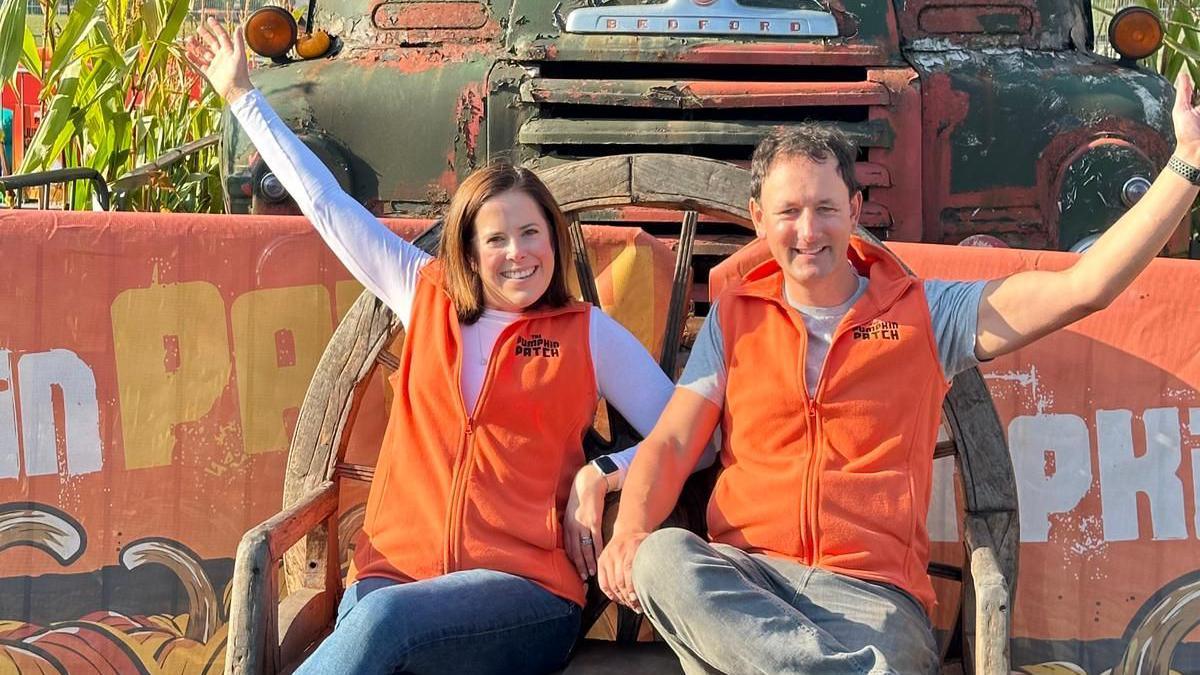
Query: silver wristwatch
x,y
608,469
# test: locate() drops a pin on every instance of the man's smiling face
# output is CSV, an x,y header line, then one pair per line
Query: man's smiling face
x,y
806,213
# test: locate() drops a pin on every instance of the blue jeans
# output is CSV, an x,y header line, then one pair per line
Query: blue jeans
x,y
476,621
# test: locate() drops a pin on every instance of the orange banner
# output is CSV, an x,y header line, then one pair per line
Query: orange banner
x,y
1103,424
152,366
151,370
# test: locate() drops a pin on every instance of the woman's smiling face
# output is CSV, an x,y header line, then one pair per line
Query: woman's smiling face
x,y
514,251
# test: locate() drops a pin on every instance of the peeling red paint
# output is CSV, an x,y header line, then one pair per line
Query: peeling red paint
x,y
902,196
551,100
875,215
429,16
1019,225
964,18
447,182
1013,213
946,20
419,59
943,109
469,113
705,93
870,174
795,54
788,54
1024,216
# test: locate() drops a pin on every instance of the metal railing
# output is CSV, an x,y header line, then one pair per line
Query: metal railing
x,y
44,179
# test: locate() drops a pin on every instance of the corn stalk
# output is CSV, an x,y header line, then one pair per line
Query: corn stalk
x,y
116,94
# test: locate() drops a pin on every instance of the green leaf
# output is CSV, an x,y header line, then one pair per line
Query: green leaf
x,y
1191,39
12,27
108,78
101,155
29,54
1187,52
56,128
80,22
172,14
151,16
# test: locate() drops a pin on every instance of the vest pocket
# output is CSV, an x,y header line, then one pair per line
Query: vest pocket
x,y
865,520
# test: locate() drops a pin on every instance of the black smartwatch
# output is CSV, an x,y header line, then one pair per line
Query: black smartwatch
x,y
1190,173
608,469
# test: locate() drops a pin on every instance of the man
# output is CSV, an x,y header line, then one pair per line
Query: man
x,y
826,368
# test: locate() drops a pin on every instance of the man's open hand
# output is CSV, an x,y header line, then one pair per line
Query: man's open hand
x,y
616,568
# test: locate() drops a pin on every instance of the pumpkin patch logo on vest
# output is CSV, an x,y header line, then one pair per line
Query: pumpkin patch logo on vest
x,y
537,345
878,330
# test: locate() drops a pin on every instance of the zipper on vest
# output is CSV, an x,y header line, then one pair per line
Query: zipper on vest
x,y
812,482
457,497
462,462
806,518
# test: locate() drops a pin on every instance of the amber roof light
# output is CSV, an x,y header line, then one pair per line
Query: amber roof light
x,y
271,32
1135,33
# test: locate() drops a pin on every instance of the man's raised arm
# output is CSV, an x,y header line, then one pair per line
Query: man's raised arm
x,y
1019,309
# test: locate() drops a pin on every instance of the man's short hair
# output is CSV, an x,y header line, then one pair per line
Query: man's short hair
x,y
815,141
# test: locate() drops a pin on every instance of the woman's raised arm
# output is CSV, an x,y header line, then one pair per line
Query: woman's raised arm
x,y
380,259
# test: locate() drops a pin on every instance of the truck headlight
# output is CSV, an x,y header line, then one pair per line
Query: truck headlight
x,y
271,32
270,188
1134,189
1135,33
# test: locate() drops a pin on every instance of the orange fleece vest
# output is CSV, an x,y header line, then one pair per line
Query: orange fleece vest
x,y
457,489
841,480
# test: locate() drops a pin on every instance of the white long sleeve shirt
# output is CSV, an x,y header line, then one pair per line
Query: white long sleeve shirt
x,y
388,266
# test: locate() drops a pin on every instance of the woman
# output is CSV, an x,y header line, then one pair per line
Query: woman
x,y
465,565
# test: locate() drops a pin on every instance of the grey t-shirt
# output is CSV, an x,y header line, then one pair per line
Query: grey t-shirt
x,y
953,309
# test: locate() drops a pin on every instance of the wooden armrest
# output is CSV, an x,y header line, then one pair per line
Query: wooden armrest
x,y
992,588
253,605
285,528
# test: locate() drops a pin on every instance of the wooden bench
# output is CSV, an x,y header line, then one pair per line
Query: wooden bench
x,y
267,635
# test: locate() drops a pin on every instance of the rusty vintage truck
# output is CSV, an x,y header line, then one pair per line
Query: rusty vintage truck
x,y
977,117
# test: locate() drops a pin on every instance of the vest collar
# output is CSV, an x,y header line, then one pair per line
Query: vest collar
x,y
435,273
887,279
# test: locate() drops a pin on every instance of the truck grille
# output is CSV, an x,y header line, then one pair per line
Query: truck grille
x,y
569,111
581,110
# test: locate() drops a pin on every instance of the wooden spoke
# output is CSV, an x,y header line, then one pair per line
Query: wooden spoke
x,y
945,446
388,359
583,266
681,280
360,472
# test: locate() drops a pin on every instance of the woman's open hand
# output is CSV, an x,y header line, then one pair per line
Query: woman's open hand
x,y
221,58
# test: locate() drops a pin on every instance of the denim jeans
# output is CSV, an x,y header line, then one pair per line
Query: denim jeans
x,y
724,610
475,621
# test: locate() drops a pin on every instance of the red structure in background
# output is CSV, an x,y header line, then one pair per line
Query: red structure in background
x,y
22,99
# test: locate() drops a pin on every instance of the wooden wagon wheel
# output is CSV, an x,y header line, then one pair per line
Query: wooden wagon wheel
x,y
692,184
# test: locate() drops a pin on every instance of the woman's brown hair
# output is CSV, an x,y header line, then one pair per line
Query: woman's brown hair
x,y
463,282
